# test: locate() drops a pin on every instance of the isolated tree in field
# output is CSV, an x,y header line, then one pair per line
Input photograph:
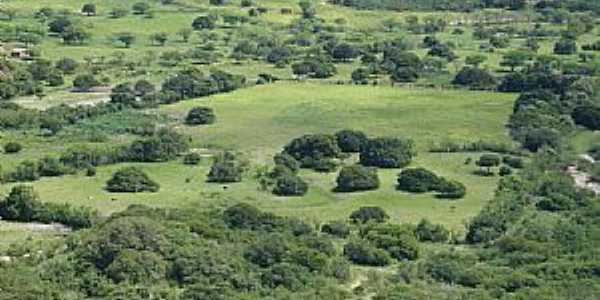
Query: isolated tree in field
x,y
369,213
225,169
85,82
357,178
417,180
387,152
74,34
89,9
59,24
131,180
159,38
127,38
12,147
21,204
488,161
140,8
204,23
514,59
200,115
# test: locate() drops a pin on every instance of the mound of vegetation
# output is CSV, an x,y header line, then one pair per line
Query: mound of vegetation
x,y
420,180
226,168
200,116
357,178
387,152
131,180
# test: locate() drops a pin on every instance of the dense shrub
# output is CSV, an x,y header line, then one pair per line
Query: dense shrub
x,y
350,140
131,180
200,116
369,213
451,189
313,146
417,180
429,232
398,240
26,171
23,205
225,169
12,147
475,78
587,116
513,162
290,185
357,178
362,253
387,153
288,161
336,228
192,158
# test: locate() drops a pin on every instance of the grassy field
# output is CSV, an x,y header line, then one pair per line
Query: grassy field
x,y
259,121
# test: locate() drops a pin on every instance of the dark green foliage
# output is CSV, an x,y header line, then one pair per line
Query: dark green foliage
x,y
357,178
513,162
123,94
26,171
290,185
225,169
369,213
12,147
351,140
387,152
23,205
505,171
309,150
565,47
336,228
417,180
192,83
131,180
288,161
200,116
85,82
51,166
475,78
587,116
429,232
314,67
192,158
362,253
450,189
204,23
165,145
398,240
535,139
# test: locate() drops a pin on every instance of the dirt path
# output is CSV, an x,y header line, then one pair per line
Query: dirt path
x,y
583,179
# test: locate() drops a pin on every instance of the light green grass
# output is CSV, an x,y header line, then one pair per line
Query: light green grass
x,y
259,121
